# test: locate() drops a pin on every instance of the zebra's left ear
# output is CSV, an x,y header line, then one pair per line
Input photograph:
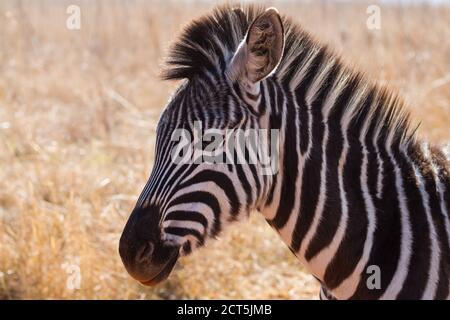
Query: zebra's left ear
x,y
260,53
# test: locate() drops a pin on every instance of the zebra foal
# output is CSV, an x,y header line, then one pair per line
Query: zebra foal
x,y
355,187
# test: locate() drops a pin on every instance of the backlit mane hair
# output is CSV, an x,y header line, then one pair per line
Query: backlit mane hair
x,y
207,44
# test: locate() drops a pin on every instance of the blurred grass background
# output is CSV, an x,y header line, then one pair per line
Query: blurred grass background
x,y
78,110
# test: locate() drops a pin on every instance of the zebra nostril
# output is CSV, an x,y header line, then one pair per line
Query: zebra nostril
x,y
144,254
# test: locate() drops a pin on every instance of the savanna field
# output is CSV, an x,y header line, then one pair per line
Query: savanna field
x,y
78,112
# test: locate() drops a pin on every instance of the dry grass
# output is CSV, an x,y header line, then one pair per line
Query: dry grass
x,y
77,125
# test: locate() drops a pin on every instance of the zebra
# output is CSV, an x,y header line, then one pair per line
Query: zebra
x,y
355,187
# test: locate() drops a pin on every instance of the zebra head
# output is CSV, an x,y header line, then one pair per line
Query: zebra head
x,y
189,199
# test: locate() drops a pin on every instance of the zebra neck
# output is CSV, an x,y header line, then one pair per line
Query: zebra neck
x,y
337,130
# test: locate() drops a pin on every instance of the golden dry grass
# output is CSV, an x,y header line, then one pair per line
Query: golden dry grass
x,y
78,111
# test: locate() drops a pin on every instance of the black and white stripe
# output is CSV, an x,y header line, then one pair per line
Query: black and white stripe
x,y
355,186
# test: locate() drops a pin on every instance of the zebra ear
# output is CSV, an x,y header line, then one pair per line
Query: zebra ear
x,y
259,54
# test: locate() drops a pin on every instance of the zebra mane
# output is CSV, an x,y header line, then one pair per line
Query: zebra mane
x,y
208,43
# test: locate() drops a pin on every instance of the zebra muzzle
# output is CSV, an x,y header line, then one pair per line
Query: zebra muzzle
x,y
149,266
146,257
163,274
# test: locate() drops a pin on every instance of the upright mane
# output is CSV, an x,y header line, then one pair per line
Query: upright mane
x,y
207,44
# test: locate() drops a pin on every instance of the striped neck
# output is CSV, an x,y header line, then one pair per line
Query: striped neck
x,y
336,129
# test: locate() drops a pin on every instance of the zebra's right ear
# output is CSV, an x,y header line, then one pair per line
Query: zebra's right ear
x,y
260,53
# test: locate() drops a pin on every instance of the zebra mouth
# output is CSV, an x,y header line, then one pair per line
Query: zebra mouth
x,y
163,274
